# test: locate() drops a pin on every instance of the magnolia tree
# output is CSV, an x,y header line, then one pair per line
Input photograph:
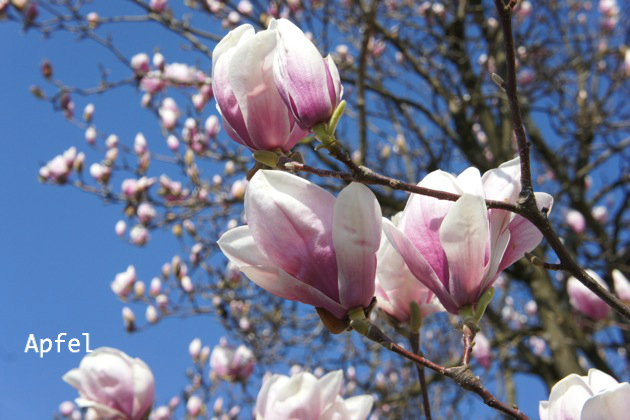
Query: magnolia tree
x,y
391,166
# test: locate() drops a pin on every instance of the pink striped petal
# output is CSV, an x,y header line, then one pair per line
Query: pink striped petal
x,y
291,220
418,265
524,236
422,218
464,235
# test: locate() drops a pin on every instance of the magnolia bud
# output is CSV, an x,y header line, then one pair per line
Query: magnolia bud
x,y
151,314
88,112
194,348
90,135
139,288
129,318
92,19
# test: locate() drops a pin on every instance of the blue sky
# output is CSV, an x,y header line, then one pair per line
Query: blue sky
x,y
58,250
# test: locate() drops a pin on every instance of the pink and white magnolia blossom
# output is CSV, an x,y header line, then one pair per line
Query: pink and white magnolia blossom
x,y
622,285
303,244
139,235
158,6
180,74
576,221
123,282
232,364
146,212
140,63
396,287
597,396
113,384
585,301
254,114
308,83
305,397
458,249
482,352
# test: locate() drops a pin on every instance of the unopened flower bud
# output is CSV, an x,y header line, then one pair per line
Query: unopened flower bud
x,y
172,142
111,141
139,235
46,69
66,408
140,144
139,288
92,19
187,284
90,135
194,348
129,318
151,314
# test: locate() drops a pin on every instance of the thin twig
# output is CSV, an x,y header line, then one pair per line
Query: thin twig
x,y
414,342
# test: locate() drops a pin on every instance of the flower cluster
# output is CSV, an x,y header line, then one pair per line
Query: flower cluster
x,y
302,244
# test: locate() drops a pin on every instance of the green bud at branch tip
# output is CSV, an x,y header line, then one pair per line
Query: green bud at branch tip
x,y
483,303
336,116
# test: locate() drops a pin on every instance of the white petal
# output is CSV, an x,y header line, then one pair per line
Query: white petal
x,y
356,236
464,235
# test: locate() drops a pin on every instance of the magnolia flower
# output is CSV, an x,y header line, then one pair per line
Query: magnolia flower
x,y
576,221
593,397
396,287
482,352
232,364
304,397
309,84
146,212
254,114
180,74
139,235
113,384
123,282
622,285
140,63
585,301
158,6
302,244
459,249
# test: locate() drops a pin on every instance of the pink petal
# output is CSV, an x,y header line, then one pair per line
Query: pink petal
x,y
422,218
524,236
464,235
418,265
291,220
356,236
303,74
238,245
278,282
250,73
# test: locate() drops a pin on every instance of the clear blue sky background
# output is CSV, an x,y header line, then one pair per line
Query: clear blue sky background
x,y
58,250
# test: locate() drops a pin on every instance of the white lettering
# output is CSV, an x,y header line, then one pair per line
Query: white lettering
x,y
87,343
59,341
31,344
41,346
72,343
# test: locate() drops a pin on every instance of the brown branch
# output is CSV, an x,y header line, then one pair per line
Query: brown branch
x,y
462,375
505,15
414,342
